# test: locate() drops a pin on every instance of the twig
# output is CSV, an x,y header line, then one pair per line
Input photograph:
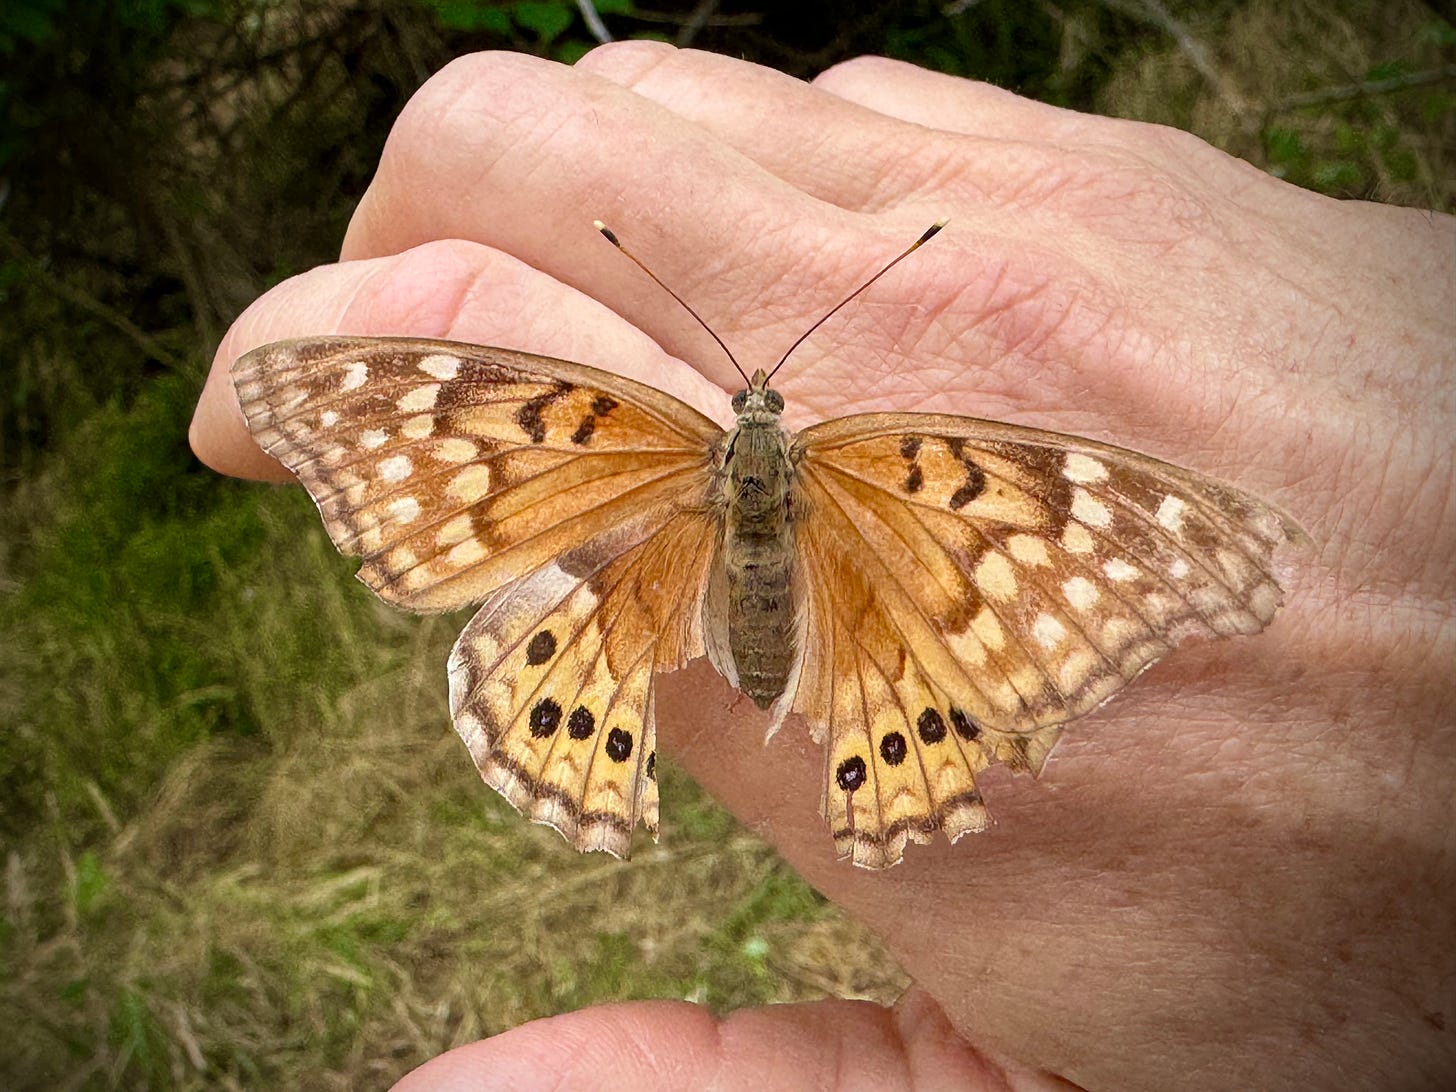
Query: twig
x,y
695,23
593,20
1367,87
743,19
1153,13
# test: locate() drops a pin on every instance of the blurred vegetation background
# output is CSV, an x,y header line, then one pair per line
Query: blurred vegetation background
x,y
243,847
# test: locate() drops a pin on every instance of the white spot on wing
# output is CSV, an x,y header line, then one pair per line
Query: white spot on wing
x,y
355,376
1170,513
440,366
1178,569
1080,592
1090,510
1076,539
1028,549
455,450
466,553
1264,601
371,438
970,648
1073,672
1083,469
995,577
987,627
1119,570
470,484
328,418
404,509
1048,631
454,532
396,468
419,399
418,427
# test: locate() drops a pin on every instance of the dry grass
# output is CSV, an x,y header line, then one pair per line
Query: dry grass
x,y
1353,99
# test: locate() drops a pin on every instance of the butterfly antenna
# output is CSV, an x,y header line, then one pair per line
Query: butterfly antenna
x,y
929,234
611,237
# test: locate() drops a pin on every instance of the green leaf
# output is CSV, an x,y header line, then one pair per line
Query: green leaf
x,y
91,884
1283,145
546,21
472,15
1387,71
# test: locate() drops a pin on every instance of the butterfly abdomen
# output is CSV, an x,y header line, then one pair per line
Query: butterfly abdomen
x,y
761,616
758,553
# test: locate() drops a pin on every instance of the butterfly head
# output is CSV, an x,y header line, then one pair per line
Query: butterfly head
x,y
758,402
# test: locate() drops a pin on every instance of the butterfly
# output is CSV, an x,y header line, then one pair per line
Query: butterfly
x,y
930,593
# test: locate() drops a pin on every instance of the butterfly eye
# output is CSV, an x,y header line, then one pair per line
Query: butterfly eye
x,y
774,401
739,401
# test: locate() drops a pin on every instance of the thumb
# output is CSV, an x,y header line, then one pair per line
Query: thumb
x,y
673,1044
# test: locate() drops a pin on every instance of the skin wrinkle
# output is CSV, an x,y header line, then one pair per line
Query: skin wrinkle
x,y
868,174
749,299
1384,506
484,81
1014,315
903,172
1124,190
463,111
1085,184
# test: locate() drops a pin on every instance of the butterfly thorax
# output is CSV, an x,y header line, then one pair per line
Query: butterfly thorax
x,y
758,544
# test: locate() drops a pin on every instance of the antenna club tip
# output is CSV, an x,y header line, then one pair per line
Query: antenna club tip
x,y
606,231
931,232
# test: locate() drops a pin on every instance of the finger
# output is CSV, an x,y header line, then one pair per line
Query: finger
x,y
868,135
820,144
449,289
521,154
673,1045
498,144
951,104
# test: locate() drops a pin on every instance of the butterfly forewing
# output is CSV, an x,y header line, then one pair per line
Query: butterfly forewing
x,y
453,470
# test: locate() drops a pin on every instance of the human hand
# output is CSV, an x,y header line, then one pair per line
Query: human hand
x,y
1240,870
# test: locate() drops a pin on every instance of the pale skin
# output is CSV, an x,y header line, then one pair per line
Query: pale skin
x,y
1241,871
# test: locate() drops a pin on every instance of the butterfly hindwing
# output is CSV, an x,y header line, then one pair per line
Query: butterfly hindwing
x,y
901,752
995,581
551,682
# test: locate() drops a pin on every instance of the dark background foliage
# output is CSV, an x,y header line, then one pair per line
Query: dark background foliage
x,y
220,867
